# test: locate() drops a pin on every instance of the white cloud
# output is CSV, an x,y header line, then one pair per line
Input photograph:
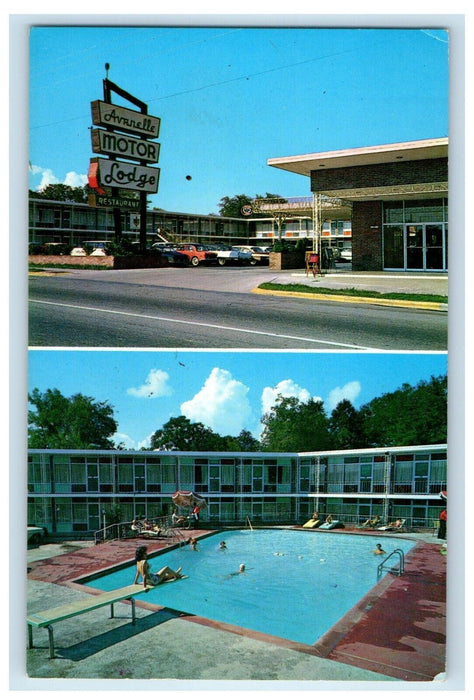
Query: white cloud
x,y
125,440
349,391
75,179
145,443
72,178
47,177
286,388
222,404
155,385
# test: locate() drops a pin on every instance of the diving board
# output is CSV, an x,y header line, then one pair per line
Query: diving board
x,y
47,618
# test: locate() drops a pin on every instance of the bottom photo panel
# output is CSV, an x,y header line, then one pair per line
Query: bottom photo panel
x,y
237,516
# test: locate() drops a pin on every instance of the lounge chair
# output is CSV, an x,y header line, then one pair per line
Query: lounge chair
x,y
392,527
335,525
312,523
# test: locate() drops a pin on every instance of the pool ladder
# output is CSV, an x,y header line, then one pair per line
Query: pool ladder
x,y
398,569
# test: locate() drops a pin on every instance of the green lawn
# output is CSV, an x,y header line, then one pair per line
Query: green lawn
x,y
435,298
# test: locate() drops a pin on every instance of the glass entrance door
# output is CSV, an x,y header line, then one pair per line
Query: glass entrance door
x,y
414,246
424,247
434,247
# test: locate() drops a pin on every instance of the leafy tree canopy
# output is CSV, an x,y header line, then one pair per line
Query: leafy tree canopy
x,y
78,422
346,426
232,206
182,434
65,193
62,193
412,415
295,426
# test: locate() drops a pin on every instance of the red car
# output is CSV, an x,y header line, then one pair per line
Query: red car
x,y
197,253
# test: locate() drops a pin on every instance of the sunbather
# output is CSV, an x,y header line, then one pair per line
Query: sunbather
x,y
371,522
150,579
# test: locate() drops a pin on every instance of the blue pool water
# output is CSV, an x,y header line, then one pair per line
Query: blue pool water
x,y
296,584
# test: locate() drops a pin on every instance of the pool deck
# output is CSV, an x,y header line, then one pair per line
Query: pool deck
x,y
395,633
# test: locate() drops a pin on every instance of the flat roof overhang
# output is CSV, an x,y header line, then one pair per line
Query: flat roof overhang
x,y
371,155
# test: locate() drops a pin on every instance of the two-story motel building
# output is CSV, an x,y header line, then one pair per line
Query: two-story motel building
x,y
69,490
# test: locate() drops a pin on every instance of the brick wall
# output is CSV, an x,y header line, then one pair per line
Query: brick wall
x,y
380,175
367,236
122,262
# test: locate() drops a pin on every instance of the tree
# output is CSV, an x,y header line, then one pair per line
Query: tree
x,y
62,193
181,434
232,206
243,442
346,426
412,415
78,422
295,426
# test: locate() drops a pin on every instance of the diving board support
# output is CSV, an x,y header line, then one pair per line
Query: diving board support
x,y
63,612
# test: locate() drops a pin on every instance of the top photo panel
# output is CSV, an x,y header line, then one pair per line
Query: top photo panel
x,y
238,187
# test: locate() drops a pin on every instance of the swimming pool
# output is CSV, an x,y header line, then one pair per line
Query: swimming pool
x,y
296,585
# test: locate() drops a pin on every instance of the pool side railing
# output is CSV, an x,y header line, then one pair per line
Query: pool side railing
x,y
393,569
160,528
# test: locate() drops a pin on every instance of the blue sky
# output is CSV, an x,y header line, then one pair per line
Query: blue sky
x,y
227,391
229,98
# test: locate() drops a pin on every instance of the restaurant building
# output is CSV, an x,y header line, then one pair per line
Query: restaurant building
x,y
399,198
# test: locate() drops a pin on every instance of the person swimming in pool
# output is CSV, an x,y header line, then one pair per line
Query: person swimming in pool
x,y
378,549
236,573
150,579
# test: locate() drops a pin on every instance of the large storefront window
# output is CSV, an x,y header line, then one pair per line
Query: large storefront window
x,y
415,235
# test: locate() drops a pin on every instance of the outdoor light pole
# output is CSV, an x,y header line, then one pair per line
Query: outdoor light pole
x,y
387,479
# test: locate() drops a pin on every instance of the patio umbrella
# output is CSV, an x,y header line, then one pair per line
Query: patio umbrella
x,y
187,499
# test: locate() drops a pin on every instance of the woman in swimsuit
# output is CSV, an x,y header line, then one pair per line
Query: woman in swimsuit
x,y
150,579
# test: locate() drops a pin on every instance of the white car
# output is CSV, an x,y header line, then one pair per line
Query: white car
x,y
226,254
98,248
345,254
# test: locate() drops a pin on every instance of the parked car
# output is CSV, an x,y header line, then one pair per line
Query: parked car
x,y
227,254
257,254
96,248
34,535
346,254
35,248
197,253
169,252
55,248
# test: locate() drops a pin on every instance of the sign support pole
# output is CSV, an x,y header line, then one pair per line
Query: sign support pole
x,y
115,192
110,87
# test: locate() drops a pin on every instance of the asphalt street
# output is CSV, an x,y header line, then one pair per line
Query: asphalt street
x,y
215,308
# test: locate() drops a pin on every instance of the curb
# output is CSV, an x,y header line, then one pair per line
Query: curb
x,y
424,305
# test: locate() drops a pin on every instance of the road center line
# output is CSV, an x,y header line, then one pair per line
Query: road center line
x,y
203,325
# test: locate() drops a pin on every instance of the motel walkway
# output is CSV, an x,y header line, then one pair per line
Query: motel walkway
x,y
395,633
